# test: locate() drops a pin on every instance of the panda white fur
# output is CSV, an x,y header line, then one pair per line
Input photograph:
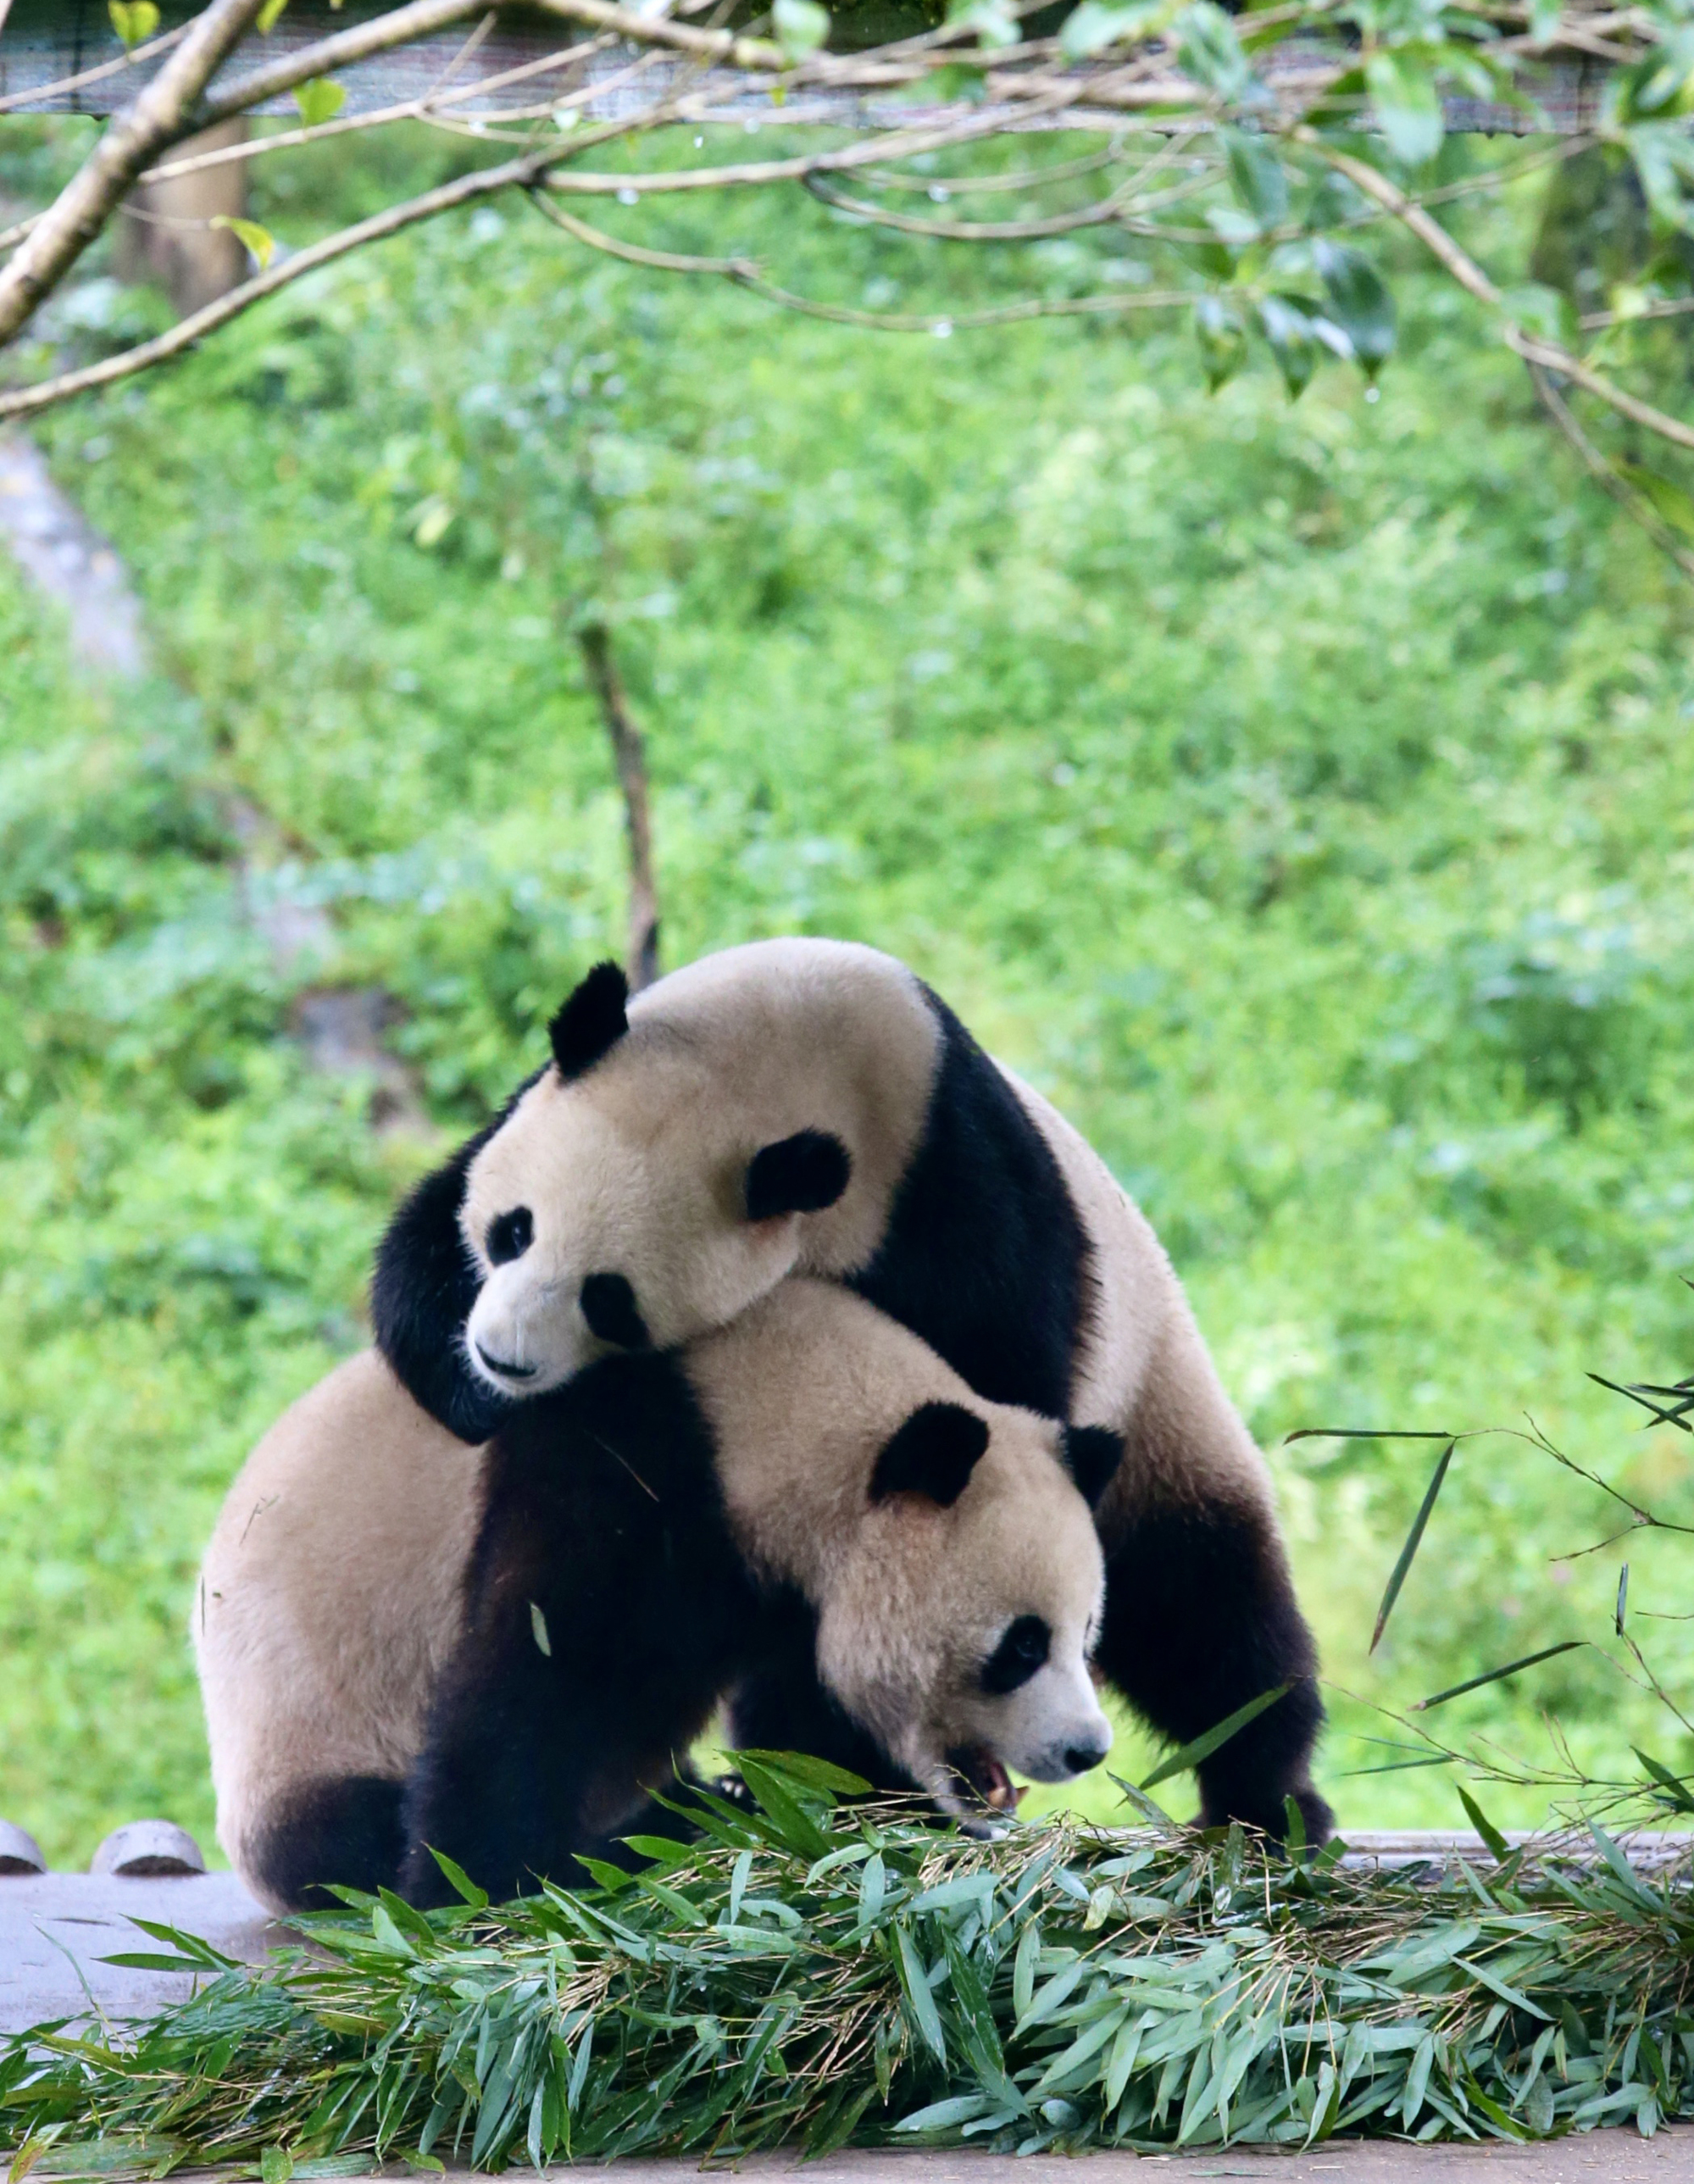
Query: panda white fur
x,y
330,1602
400,1647
810,1107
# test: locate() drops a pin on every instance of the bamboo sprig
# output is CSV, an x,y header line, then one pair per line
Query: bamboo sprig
x,y
811,1973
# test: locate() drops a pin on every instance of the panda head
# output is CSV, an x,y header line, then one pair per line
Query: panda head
x,y
619,1204
959,1627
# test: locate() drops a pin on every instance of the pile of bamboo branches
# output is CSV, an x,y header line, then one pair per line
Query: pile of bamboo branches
x,y
813,1972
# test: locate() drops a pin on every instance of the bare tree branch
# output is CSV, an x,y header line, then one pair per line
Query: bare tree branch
x,y
945,86
745,273
1549,355
407,109
1635,505
1662,307
400,26
1406,209
1553,358
629,753
159,117
757,54
23,401
1107,210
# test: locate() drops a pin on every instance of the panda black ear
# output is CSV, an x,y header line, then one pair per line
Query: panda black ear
x,y
933,1454
1091,1454
592,1020
801,1174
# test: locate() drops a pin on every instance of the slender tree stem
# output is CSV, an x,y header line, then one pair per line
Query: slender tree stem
x,y
629,751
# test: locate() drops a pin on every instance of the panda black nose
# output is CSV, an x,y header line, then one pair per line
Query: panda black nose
x,y
507,1371
1080,1757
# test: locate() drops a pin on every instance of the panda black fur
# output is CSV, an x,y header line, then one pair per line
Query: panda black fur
x,y
810,1107
401,1648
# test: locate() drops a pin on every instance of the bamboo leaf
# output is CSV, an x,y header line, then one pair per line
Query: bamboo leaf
x,y
916,1984
1202,1748
1674,1786
812,1774
1023,1970
551,2030
942,2115
796,1827
1497,1844
1496,1675
1413,1540
460,1881
1497,1985
1363,1432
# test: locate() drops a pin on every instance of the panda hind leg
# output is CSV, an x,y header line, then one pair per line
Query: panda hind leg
x,y
1201,1619
342,1829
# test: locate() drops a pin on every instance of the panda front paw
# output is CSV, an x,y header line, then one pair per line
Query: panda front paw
x,y
1272,1820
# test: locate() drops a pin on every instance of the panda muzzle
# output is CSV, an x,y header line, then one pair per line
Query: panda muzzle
x,y
504,1367
981,1772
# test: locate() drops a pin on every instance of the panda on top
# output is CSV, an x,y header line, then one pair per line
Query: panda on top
x,y
401,1649
810,1107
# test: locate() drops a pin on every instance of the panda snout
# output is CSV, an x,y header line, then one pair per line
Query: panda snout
x,y
504,1367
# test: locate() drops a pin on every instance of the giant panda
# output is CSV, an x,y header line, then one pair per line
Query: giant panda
x,y
811,1107
403,1650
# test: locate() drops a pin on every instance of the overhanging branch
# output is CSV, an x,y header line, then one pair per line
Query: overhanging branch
x,y
159,117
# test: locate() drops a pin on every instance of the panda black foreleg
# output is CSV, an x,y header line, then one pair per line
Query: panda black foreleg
x,y
780,1712
506,1784
533,1755
781,1707
344,1828
606,1609
1200,1618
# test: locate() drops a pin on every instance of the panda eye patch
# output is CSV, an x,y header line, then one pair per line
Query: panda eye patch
x,y
1019,1654
510,1235
608,1306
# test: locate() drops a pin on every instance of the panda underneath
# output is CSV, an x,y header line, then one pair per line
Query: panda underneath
x,y
806,1106
399,1652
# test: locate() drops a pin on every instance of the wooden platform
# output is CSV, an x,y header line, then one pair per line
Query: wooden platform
x,y
56,1927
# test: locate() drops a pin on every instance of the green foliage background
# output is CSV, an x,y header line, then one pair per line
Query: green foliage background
x,y
1299,794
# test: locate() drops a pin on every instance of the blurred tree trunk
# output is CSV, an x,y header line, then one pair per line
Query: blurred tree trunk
x,y
164,233
630,753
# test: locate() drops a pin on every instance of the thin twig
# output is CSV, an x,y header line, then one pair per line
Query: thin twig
x,y
1662,307
746,273
399,26
42,94
467,189
1635,505
629,756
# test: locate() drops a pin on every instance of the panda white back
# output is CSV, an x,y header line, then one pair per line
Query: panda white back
x,y
329,1598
